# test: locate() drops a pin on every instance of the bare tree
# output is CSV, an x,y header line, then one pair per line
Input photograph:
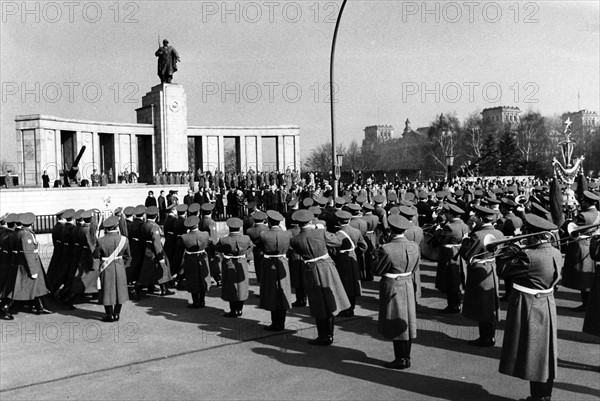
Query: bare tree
x,y
320,157
443,137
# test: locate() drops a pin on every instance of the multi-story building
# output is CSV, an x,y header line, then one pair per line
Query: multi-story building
x,y
502,115
582,119
376,134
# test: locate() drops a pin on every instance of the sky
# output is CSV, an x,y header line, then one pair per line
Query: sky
x,y
267,62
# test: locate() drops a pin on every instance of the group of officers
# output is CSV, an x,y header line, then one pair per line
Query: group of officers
x,y
323,249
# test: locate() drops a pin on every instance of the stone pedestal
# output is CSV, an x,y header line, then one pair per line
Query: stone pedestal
x,y
166,107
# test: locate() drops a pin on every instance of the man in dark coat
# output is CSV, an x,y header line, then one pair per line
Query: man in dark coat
x,y
26,280
208,225
481,290
398,262
529,348
195,262
112,252
578,270
235,248
371,239
346,260
150,199
254,233
162,208
154,268
54,267
591,323
167,62
326,295
275,288
449,275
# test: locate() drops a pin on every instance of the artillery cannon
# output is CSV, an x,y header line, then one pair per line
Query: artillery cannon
x,y
71,175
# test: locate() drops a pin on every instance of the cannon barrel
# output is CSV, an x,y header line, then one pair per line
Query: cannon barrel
x,y
75,167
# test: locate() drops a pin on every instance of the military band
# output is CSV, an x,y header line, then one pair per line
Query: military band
x,y
323,250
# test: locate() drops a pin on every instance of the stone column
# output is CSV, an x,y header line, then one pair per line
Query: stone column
x,y
297,152
242,152
259,154
221,158
280,153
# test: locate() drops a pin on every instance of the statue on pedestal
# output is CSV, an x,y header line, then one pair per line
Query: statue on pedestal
x,y
167,62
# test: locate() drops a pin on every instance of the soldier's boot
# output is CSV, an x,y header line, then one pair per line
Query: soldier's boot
x,y
232,310
401,356
322,333
6,314
110,312
584,301
300,298
117,312
277,321
350,311
39,308
68,301
164,290
195,301
239,307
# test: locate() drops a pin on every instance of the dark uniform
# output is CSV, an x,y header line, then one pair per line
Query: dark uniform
x,y
112,252
326,295
208,225
170,237
86,276
275,286
481,302
179,230
346,260
371,240
449,275
26,280
136,244
529,348
54,266
155,266
195,262
254,234
578,270
59,279
234,267
591,323
397,263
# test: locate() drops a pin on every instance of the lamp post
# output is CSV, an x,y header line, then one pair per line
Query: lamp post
x,y
450,164
338,169
447,134
336,182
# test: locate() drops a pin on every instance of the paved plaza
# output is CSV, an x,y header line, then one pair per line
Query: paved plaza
x,y
162,350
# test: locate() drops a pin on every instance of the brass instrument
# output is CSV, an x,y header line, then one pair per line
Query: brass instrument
x,y
574,230
494,247
521,200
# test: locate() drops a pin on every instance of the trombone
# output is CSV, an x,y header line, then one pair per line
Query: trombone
x,y
494,247
575,231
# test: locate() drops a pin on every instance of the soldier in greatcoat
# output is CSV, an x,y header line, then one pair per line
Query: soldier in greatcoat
x,y
275,288
54,266
326,294
208,225
26,280
529,348
481,302
578,270
136,244
112,253
234,267
260,225
86,276
371,240
591,323
7,223
155,265
196,267
346,260
449,275
169,228
59,279
397,262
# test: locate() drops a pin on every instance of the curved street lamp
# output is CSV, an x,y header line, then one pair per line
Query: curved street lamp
x,y
335,166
